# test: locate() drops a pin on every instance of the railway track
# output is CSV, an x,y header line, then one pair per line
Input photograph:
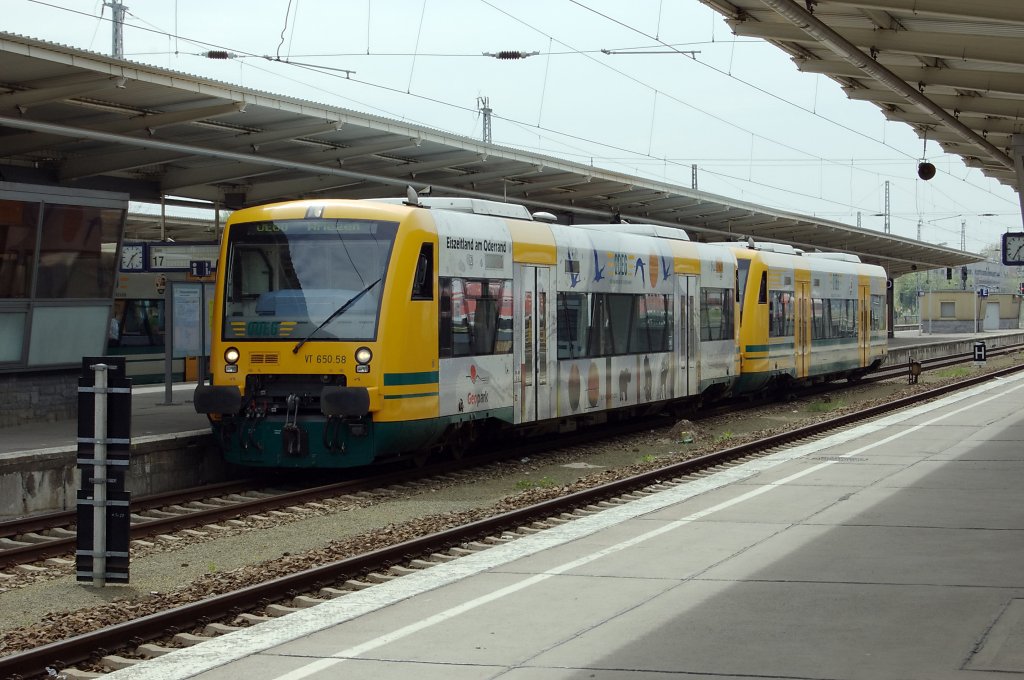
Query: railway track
x,y
51,536
194,622
906,370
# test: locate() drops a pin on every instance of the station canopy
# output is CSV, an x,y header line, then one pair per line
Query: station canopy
x,y
951,69
81,119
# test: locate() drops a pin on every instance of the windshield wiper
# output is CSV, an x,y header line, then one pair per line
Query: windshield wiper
x,y
335,314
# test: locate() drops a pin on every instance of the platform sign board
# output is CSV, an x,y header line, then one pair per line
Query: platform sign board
x,y
200,268
104,444
979,352
190,318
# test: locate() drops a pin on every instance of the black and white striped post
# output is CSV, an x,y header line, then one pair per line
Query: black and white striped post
x,y
104,443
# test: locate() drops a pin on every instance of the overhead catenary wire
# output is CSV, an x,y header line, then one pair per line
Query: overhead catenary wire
x,y
325,70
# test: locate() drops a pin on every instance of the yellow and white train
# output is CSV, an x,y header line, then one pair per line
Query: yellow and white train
x,y
353,332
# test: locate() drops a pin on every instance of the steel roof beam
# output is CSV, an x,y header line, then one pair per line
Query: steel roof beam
x,y
982,124
927,77
295,132
233,171
13,145
595,188
993,49
992,106
24,99
563,181
93,164
510,171
987,10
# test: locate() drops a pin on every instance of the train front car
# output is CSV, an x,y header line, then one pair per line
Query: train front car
x,y
305,291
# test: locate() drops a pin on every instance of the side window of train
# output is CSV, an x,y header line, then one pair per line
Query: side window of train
x,y
572,319
780,313
423,281
716,314
444,338
475,317
762,292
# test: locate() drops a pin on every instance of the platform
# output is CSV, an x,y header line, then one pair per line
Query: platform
x,y
152,416
892,550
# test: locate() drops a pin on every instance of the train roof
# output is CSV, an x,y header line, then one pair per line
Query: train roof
x,y
655,230
475,206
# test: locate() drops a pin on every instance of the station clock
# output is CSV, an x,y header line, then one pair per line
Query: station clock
x,y
133,257
1013,249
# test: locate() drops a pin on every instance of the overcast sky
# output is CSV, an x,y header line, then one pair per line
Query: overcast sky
x,y
679,89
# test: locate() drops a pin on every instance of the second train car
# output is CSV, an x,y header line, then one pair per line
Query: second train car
x,y
353,332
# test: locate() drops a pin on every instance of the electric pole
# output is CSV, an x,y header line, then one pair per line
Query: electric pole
x,y
483,104
887,225
117,43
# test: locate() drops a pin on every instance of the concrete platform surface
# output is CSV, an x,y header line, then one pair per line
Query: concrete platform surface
x,y
891,550
152,416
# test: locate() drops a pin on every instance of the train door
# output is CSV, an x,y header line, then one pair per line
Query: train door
x,y
864,325
533,379
802,330
688,333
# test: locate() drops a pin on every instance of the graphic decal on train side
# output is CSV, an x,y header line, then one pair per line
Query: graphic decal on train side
x,y
612,382
473,246
572,267
472,384
666,266
610,262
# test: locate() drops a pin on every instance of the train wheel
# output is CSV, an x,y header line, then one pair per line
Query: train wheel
x,y
420,458
461,441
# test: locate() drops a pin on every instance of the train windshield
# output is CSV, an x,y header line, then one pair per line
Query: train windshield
x,y
287,278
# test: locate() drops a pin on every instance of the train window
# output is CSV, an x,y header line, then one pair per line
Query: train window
x,y
475,317
742,273
612,317
621,312
141,323
445,334
820,314
652,331
780,312
423,281
846,317
762,291
716,314
573,324
878,317
322,277
607,324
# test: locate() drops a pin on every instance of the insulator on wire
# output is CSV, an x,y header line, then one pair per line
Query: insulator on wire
x,y
219,54
511,54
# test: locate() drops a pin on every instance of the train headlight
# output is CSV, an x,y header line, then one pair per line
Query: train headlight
x,y
231,355
363,356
